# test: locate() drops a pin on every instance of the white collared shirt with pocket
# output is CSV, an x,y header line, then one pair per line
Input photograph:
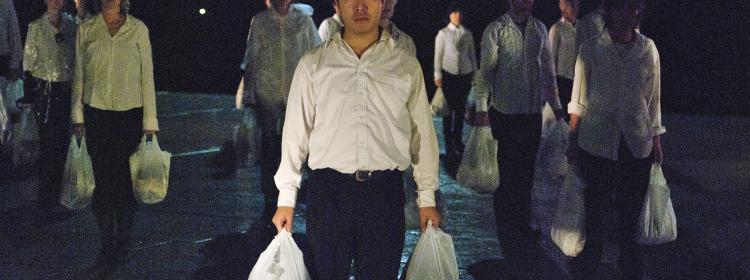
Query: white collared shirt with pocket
x,y
348,113
562,38
454,51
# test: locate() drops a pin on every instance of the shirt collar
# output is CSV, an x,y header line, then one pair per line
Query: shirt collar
x,y
385,37
453,27
127,24
337,18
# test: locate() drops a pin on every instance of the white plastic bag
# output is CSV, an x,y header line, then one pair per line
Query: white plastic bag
x,y
149,172
78,177
658,223
434,257
568,227
282,260
438,105
479,168
13,92
245,139
25,139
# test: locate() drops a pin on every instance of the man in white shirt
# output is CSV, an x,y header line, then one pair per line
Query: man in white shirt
x,y
616,133
358,114
517,76
454,66
11,52
403,40
562,37
277,39
330,25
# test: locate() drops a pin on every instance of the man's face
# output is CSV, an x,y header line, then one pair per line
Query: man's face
x,y
389,6
523,6
455,18
569,8
625,17
281,6
360,16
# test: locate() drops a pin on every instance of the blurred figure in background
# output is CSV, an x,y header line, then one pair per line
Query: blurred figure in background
x,y
48,61
11,49
403,40
330,25
454,65
562,37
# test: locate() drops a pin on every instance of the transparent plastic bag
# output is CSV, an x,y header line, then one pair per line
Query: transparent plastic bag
x,y
245,139
13,92
479,168
439,106
149,172
658,223
25,139
282,260
568,230
78,177
434,257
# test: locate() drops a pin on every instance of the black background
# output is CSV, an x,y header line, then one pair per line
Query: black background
x,y
704,47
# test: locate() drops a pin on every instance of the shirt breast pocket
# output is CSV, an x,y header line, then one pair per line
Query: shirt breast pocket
x,y
392,92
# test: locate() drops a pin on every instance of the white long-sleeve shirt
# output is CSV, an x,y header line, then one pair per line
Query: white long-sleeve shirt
x,y
46,58
562,38
516,72
348,113
454,51
114,73
10,35
329,27
275,43
617,95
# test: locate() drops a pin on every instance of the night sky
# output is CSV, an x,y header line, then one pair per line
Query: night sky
x,y
705,51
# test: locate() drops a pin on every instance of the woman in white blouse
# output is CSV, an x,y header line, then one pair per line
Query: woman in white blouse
x,y
48,62
615,125
114,99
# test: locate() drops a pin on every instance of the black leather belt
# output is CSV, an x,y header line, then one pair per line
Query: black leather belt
x,y
360,175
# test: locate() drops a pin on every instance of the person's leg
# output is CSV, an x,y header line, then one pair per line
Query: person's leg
x,y
379,239
98,140
463,87
55,138
631,190
450,121
129,135
270,149
565,90
330,228
526,141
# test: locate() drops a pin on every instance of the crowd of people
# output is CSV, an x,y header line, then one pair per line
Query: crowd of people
x,y
346,103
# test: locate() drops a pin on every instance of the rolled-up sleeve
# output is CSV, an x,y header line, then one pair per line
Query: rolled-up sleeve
x,y
148,90
547,67
655,106
438,61
578,98
488,64
298,124
248,63
31,50
424,147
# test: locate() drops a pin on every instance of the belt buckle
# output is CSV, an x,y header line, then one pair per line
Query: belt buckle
x,y
362,175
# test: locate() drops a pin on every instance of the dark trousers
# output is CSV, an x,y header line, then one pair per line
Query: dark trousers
x,y
613,198
456,89
351,220
53,106
518,138
112,136
565,90
269,121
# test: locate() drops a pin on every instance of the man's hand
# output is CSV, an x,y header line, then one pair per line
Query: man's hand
x,y
481,119
78,130
439,82
428,214
658,152
283,218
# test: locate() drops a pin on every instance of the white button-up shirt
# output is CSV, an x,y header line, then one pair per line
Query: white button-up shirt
x,y
403,40
10,35
275,43
454,51
329,27
348,113
114,73
617,96
43,56
562,38
516,72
